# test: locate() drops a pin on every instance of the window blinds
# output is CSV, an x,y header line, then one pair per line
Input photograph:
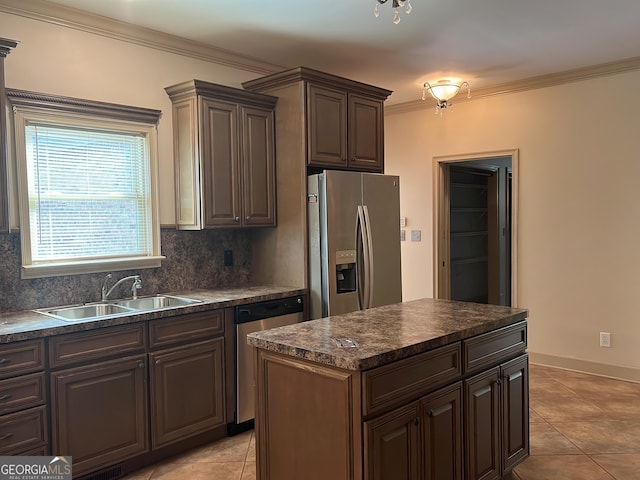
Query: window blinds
x,y
89,195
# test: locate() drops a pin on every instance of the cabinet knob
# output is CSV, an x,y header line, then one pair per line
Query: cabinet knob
x,y
4,360
431,413
141,365
6,435
237,219
157,362
4,397
416,421
248,218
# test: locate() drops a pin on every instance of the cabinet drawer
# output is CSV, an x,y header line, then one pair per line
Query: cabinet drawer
x,y
23,431
407,379
183,328
21,392
96,344
21,357
42,451
491,348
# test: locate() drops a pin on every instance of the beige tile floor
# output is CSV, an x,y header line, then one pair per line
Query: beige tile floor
x,y
232,458
583,427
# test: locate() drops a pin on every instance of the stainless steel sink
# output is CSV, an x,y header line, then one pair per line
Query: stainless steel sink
x,y
84,312
154,303
116,308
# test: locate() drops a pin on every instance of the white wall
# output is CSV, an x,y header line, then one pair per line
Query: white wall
x,y
63,61
579,214
579,148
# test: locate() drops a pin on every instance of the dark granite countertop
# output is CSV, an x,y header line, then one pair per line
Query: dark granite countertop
x,y
28,324
386,334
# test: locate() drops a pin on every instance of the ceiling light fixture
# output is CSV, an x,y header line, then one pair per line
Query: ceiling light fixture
x,y
443,91
396,4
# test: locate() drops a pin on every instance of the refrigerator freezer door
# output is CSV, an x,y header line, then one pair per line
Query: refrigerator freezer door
x,y
381,197
343,196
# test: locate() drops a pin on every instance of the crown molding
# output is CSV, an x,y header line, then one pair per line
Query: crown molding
x,y
319,78
23,98
86,22
533,83
6,45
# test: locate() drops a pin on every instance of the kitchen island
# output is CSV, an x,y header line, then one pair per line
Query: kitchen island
x,y
427,389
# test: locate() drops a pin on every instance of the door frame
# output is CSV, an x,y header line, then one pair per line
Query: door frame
x,y
441,281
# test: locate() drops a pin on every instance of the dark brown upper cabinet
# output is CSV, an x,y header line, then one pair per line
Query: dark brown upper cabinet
x,y
6,46
344,119
224,156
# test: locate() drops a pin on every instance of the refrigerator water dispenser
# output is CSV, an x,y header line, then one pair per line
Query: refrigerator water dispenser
x,y
346,271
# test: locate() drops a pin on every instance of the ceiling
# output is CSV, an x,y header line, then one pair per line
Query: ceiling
x,y
486,42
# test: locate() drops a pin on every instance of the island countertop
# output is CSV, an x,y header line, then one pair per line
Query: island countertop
x,y
385,334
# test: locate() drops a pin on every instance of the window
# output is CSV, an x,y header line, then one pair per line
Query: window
x,y
86,185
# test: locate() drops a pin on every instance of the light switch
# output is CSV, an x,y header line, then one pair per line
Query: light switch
x,y
416,235
403,235
403,222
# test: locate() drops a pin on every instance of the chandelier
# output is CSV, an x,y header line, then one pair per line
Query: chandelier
x,y
396,4
443,91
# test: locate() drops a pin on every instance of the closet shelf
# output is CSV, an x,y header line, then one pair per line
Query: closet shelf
x,y
467,260
476,233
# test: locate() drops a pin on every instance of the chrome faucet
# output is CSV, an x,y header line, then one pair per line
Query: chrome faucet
x,y
137,285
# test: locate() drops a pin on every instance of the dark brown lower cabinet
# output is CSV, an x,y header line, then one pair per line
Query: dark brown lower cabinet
x,y
442,434
439,415
392,445
515,411
497,419
101,412
421,440
187,394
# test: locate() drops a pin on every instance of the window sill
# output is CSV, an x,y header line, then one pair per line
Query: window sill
x,y
93,266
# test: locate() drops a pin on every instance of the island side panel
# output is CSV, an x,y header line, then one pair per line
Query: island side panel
x,y
308,420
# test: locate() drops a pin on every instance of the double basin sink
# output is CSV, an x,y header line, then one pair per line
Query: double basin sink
x,y
111,308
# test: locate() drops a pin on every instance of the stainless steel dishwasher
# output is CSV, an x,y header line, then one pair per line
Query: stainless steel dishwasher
x,y
250,318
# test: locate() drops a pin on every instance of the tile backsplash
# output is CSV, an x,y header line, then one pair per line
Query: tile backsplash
x,y
194,260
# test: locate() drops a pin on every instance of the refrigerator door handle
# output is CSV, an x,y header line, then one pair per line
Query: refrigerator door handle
x,y
368,270
362,259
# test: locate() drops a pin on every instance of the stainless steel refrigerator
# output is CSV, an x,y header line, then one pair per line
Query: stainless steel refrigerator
x,y
354,241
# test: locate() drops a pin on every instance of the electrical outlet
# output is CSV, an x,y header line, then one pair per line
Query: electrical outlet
x,y
605,339
416,235
228,258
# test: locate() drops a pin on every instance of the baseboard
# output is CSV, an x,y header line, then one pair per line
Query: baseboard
x,y
585,366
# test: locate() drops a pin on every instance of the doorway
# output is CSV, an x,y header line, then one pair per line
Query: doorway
x,y
475,227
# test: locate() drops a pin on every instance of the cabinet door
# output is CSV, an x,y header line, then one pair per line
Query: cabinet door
x,y
482,425
515,412
326,127
365,134
187,393
258,167
392,449
442,434
99,412
220,176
